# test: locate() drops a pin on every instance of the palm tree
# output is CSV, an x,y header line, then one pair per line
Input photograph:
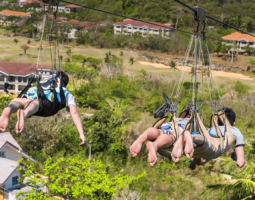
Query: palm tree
x,y
131,61
16,41
29,42
173,65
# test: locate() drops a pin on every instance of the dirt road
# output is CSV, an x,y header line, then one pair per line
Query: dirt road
x,y
217,73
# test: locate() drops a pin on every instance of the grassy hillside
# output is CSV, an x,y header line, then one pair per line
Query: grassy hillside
x,y
236,12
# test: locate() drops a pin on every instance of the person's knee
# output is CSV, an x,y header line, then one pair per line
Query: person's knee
x,y
151,129
186,132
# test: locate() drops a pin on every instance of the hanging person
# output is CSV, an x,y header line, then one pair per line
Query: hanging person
x,y
30,104
188,140
163,136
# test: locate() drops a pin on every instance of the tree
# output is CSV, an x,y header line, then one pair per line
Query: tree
x,y
241,88
131,61
173,65
29,42
248,49
16,41
64,29
69,52
223,49
252,63
217,48
24,47
74,178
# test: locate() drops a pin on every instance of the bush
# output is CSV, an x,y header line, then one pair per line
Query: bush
x,y
246,54
241,88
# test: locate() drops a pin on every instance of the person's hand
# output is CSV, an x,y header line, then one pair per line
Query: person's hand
x,y
83,141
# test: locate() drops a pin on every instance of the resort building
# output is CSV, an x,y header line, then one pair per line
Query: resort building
x,y
7,13
83,25
17,74
240,40
73,8
129,26
67,9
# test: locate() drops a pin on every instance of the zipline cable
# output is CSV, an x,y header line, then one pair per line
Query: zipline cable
x,y
152,23
212,18
104,11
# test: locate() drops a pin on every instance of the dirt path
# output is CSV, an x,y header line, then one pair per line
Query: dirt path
x,y
217,73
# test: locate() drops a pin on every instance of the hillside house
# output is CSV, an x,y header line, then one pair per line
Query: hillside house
x,y
10,154
240,40
73,8
67,9
130,27
17,74
84,25
6,13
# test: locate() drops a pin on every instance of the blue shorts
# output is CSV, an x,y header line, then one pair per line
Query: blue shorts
x,y
32,94
211,134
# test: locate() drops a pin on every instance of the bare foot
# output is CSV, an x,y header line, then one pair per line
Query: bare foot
x,y
152,153
177,150
4,119
189,147
20,122
137,146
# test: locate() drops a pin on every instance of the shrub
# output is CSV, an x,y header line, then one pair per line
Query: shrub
x,y
241,88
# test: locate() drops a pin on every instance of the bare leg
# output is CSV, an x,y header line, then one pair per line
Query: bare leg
x,y
186,139
149,134
23,114
240,156
163,141
12,107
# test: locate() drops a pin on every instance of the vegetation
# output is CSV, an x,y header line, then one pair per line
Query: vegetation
x,y
123,106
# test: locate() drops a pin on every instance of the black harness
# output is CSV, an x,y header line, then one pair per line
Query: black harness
x,y
46,107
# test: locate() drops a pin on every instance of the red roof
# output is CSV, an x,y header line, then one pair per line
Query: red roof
x,y
7,167
73,6
14,13
85,24
18,68
7,137
141,24
57,19
31,1
236,36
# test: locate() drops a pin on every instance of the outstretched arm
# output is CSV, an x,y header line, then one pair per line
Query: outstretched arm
x,y
78,123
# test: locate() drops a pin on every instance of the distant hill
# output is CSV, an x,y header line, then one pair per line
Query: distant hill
x,y
236,12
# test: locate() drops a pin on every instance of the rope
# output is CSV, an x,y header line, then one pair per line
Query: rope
x,y
44,19
48,41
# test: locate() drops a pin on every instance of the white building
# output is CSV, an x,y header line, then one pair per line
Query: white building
x,y
67,9
17,74
240,40
10,154
84,25
130,27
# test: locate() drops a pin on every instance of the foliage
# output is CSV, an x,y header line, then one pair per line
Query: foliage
x,y
241,88
217,48
72,178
